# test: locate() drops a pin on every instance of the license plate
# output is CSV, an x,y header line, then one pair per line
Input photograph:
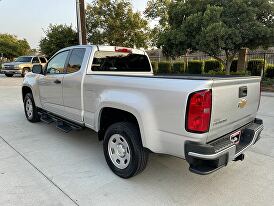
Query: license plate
x,y
235,137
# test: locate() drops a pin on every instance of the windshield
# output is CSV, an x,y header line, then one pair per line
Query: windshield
x,y
120,62
23,59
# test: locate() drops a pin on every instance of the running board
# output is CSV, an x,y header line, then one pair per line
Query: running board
x,y
62,124
63,127
46,119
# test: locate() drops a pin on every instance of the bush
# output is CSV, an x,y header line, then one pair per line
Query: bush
x,y
213,73
233,67
212,65
255,66
239,73
178,67
164,67
195,67
154,66
270,71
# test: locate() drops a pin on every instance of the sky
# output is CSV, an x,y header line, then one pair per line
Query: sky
x,y
27,18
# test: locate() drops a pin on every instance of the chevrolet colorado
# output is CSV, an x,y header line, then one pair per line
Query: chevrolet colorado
x,y
209,121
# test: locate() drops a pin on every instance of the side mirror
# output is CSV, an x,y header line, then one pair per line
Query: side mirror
x,y
37,69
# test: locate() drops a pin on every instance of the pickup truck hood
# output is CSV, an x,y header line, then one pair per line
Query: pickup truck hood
x,y
230,108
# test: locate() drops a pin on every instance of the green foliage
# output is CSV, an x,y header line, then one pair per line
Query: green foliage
x,y
164,67
216,27
270,71
178,67
58,37
154,66
255,66
213,73
12,47
115,23
157,9
234,64
240,73
195,67
212,65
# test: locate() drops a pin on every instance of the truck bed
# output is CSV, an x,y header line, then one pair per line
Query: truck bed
x,y
187,76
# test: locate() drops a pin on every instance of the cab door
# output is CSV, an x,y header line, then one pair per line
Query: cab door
x,y
51,84
72,84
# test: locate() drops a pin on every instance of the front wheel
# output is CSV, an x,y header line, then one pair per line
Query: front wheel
x,y
123,149
30,109
9,75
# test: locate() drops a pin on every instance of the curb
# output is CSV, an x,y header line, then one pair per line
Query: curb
x,y
267,94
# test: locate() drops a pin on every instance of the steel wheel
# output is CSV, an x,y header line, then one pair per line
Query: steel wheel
x,y
123,149
119,151
29,108
31,111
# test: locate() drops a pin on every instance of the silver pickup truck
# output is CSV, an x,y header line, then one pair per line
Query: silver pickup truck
x,y
209,121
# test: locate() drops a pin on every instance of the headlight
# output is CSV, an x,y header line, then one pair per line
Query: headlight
x,y
16,66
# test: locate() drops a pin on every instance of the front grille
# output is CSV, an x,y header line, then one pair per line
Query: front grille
x,y
9,67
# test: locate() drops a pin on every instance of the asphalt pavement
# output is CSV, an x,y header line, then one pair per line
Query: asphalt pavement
x,y
41,165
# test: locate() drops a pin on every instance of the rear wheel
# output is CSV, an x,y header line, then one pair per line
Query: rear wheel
x,y
25,71
123,149
9,75
30,108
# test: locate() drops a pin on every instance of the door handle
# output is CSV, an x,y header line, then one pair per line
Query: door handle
x,y
57,81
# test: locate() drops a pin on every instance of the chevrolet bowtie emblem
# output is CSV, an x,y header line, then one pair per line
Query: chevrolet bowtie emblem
x,y
242,103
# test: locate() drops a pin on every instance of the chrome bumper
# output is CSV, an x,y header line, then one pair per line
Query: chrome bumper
x,y
13,71
207,158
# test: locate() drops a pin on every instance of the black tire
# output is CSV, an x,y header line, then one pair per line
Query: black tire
x,y
28,99
138,154
9,75
24,71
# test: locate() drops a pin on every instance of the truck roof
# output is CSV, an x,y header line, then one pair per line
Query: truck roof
x,y
109,48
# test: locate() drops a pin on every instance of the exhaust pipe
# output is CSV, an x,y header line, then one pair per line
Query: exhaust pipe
x,y
240,157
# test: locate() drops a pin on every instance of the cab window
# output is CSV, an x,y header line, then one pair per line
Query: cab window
x,y
120,62
75,60
57,64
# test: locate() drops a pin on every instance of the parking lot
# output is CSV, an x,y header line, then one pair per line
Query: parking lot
x,y
41,165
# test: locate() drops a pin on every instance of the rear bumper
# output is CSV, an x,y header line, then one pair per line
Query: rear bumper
x,y
207,158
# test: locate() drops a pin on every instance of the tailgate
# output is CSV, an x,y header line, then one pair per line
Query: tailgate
x,y
234,103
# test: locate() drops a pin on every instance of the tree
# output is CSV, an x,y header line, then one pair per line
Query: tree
x,y
157,10
217,26
57,37
115,23
12,47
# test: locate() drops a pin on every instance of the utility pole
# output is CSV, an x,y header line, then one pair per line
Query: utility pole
x,y
81,21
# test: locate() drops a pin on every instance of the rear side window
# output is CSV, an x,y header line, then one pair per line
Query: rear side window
x,y
35,60
43,60
120,62
75,60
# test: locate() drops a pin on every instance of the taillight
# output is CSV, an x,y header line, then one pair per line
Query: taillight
x,y
123,50
199,111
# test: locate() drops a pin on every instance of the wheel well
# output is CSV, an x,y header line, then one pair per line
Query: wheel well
x,y
25,90
110,116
